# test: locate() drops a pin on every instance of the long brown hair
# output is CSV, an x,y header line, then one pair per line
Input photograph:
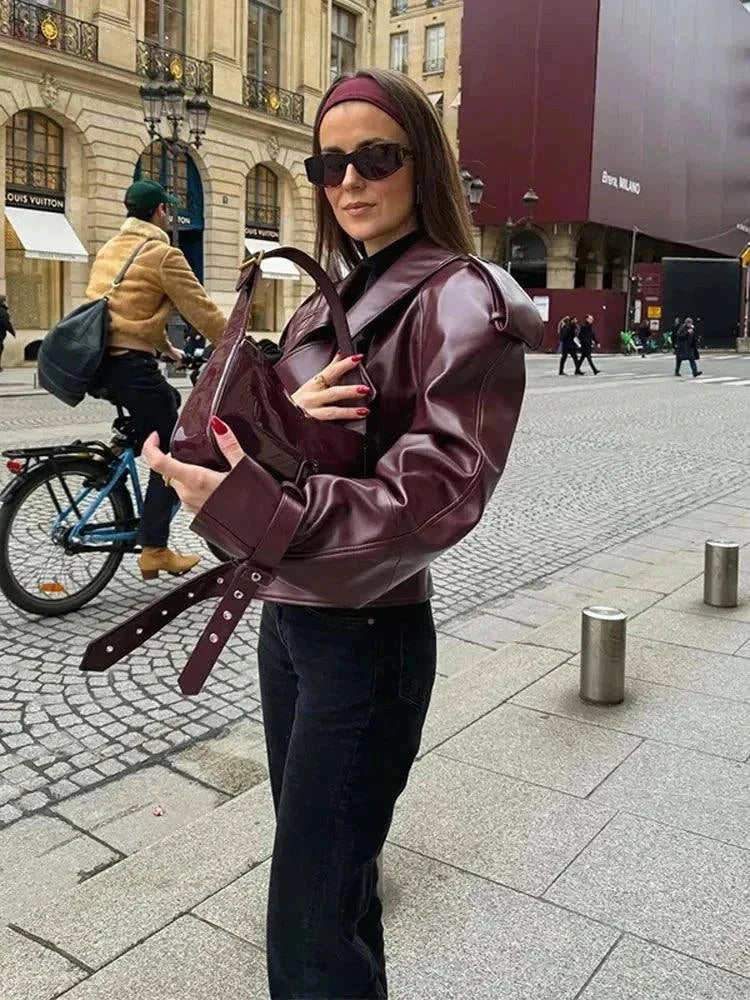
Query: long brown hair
x,y
442,209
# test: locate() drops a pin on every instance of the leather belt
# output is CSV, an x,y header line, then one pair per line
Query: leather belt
x,y
236,582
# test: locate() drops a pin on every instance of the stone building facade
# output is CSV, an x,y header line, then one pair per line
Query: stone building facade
x,y
73,137
422,38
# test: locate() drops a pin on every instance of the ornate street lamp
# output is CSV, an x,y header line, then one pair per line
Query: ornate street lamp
x,y
166,99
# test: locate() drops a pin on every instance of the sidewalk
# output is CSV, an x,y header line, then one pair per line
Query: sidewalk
x,y
545,849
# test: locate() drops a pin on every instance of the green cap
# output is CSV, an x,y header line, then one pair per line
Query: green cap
x,y
144,197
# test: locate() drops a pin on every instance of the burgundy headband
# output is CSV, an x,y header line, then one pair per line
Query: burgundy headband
x,y
363,88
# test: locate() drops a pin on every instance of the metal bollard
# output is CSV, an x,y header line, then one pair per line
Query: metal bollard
x,y
721,574
603,639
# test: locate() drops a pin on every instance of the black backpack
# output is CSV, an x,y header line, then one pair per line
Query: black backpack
x,y
72,351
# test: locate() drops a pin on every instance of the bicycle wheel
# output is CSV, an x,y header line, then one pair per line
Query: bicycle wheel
x,y
40,571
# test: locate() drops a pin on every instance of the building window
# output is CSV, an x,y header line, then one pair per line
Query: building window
x,y
34,160
435,3
263,40
165,23
34,152
156,165
401,6
262,211
434,49
343,42
400,52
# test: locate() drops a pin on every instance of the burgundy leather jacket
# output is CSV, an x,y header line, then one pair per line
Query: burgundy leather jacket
x,y
448,369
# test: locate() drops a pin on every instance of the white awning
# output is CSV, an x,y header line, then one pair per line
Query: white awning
x,y
278,268
46,235
436,98
456,102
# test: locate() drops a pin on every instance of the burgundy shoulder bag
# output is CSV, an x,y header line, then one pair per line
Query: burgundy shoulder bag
x,y
240,386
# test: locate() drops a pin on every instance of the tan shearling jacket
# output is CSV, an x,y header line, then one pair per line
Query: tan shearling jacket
x,y
158,280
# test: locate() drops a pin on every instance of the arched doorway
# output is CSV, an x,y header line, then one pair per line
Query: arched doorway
x,y
157,163
528,260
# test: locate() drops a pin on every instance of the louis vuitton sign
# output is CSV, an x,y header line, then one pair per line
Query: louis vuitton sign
x,y
17,198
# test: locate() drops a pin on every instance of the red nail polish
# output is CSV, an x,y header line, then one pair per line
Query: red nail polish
x,y
356,358
218,425
362,412
363,390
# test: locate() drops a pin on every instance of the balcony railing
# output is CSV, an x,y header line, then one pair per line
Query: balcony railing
x,y
35,176
30,22
263,217
165,64
273,100
434,65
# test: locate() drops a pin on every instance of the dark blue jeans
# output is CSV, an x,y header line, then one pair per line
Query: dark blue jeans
x,y
134,380
345,694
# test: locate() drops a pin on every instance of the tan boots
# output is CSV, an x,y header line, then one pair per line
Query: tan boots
x,y
151,562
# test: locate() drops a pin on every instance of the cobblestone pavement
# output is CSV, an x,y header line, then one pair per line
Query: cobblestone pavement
x,y
595,462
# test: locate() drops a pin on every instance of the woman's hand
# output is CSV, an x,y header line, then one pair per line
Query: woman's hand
x,y
321,397
192,483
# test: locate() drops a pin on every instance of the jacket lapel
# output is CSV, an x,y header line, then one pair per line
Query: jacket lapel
x,y
407,273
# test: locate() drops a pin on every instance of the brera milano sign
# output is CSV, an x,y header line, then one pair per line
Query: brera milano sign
x,y
621,183
28,199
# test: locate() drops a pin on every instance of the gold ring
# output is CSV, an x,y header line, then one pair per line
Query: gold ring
x,y
167,481
321,381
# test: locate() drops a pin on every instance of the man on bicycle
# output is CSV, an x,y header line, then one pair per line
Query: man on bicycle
x,y
159,280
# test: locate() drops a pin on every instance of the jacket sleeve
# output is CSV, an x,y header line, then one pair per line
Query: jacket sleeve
x,y
358,538
189,296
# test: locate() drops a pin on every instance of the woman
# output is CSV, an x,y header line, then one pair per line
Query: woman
x,y
347,643
5,326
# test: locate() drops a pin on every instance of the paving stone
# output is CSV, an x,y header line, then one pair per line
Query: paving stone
x,y
188,960
41,856
107,915
717,635
452,936
29,971
492,825
671,572
241,907
32,802
638,970
527,610
464,698
121,813
455,655
489,630
233,762
9,814
690,669
676,889
567,756
696,792
684,718
637,553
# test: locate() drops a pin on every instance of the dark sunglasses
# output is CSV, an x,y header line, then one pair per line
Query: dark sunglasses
x,y
374,163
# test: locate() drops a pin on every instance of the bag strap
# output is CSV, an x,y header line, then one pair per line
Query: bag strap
x,y
321,279
235,582
126,266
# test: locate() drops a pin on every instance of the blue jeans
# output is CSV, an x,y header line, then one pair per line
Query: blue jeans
x,y
344,694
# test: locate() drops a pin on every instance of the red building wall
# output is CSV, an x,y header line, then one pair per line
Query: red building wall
x,y
607,308
527,105
657,92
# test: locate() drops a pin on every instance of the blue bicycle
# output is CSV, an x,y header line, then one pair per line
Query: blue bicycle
x,y
67,518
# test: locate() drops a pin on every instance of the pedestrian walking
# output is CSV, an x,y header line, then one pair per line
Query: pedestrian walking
x,y
6,327
686,348
158,280
587,339
644,335
346,648
569,338
560,327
